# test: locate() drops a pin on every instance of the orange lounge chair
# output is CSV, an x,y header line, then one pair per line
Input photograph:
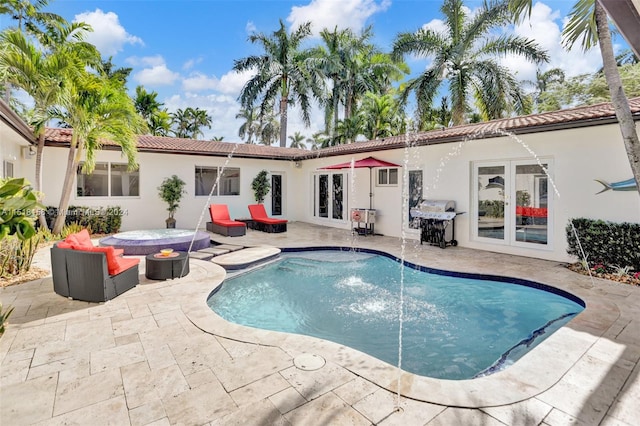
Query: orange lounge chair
x,y
221,222
265,223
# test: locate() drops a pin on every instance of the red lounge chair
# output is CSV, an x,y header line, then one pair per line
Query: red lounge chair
x,y
221,222
264,222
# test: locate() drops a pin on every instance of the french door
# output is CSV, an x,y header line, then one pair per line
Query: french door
x,y
329,196
512,202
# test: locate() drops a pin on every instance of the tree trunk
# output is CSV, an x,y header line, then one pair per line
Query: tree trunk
x,y
38,183
283,122
336,102
67,186
618,98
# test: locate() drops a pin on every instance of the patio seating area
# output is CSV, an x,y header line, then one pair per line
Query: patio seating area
x,y
158,355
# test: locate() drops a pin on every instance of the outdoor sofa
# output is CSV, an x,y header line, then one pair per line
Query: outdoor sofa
x,y
82,271
264,223
221,222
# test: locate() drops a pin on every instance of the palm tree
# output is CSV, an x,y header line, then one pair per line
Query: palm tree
x,y
189,121
543,80
297,141
318,140
217,138
200,118
97,109
147,105
160,123
109,70
30,14
331,59
379,113
349,129
465,56
588,25
248,128
42,69
281,75
268,128
180,121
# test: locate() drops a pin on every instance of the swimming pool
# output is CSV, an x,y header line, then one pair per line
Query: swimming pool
x,y
454,327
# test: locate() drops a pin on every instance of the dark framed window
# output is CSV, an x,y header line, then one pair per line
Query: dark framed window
x,y
7,169
108,180
206,178
387,177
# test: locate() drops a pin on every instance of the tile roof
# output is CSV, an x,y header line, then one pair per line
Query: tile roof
x,y
568,118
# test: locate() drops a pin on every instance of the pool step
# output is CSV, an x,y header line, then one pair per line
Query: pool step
x,y
200,256
215,250
245,258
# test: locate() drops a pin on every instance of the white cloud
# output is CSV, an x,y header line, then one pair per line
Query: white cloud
x,y
197,82
250,28
330,13
544,27
145,61
108,35
191,63
158,75
232,82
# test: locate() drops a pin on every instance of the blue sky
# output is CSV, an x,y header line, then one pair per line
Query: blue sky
x,y
185,49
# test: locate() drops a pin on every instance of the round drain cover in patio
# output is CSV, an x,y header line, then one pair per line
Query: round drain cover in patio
x,y
308,362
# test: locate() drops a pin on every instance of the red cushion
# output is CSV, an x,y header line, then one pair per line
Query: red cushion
x,y
79,239
219,212
64,245
257,211
124,263
115,264
229,223
84,237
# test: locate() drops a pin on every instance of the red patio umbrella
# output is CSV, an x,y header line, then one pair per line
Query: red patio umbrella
x,y
369,162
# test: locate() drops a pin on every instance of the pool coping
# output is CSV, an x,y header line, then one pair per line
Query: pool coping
x,y
534,373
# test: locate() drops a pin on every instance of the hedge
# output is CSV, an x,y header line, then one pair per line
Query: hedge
x,y
608,243
101,220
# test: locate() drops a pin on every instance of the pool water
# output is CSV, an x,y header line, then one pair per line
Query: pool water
x,y
453,328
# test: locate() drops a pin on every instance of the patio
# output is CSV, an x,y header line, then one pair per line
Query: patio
x,y
157,355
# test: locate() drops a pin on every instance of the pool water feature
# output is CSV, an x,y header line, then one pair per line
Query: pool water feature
x,y
454,327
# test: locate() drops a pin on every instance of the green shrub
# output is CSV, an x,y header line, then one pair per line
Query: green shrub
x,y
16,254
99,220
4,316
614,245
492,208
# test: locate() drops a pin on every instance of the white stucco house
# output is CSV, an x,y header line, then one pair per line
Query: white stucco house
x,y
16,143
544,163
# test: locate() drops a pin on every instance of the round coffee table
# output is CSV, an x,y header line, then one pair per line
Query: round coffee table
x,y
160,267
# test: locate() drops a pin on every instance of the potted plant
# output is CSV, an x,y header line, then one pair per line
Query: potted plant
x,y
260,186
171,191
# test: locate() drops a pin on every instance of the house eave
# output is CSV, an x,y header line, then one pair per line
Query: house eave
x,y
15,122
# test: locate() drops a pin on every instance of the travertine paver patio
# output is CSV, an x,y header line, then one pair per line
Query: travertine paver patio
x,y
157,355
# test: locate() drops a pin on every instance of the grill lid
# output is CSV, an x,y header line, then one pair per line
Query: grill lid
x,y
435,209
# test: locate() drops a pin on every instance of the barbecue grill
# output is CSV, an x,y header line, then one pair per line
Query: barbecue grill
x,y
437,222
